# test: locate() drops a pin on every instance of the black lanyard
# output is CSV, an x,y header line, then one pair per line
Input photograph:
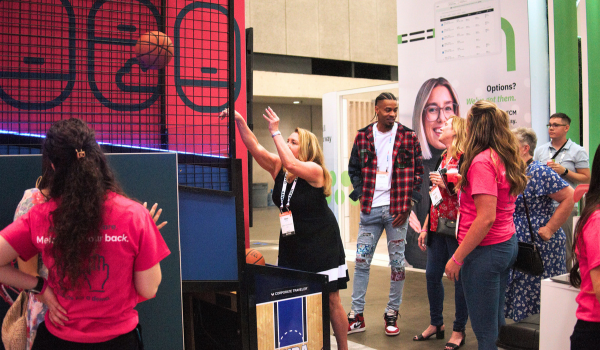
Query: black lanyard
x,y
560,149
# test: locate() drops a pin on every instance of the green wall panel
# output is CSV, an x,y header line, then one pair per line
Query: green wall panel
x,y
593,38
567,63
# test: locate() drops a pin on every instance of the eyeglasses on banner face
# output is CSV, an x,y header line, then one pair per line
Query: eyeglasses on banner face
x,y
554,125
432,112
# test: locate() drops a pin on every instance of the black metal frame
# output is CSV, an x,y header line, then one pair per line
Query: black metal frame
x,y
249,115
237,190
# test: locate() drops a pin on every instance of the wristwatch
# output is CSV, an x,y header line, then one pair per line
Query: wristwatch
x,y
565,173
40,287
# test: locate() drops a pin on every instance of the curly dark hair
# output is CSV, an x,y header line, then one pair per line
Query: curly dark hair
x,y
79,185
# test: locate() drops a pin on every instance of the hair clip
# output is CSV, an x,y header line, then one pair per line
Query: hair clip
x,y
80,153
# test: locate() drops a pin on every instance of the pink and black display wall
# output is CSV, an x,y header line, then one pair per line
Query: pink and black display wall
x,y
75,58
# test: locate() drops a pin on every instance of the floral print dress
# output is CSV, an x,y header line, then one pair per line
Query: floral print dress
x,y
36,310
523,290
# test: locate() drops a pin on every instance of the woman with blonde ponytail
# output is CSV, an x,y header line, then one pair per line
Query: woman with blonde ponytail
x,y
302,182
492,175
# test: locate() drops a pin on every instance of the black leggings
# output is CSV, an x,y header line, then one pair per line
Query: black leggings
x,y
586,335
44,340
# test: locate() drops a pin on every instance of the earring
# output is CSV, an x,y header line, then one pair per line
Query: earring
x,y
37,182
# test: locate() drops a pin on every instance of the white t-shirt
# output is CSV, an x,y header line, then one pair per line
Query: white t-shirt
x,y
384,147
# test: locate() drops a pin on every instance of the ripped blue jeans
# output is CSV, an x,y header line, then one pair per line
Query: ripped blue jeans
x,y
370,230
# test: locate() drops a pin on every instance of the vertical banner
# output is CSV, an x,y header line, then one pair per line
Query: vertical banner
x,y
481,47
450,55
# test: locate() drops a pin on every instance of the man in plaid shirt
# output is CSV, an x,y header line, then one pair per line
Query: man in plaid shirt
x,y
386,169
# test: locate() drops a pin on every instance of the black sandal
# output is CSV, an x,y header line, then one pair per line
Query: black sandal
x,y
452,346
439,334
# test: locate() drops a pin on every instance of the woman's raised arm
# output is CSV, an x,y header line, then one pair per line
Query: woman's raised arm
x,y
267,160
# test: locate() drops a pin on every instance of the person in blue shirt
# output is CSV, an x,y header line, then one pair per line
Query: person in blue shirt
x,y
569,160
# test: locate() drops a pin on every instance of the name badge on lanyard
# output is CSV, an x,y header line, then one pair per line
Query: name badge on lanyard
x,y
562,156
285,218
382,181
436,196
287,224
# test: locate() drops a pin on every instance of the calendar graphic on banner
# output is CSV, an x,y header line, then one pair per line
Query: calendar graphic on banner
x,y
467,28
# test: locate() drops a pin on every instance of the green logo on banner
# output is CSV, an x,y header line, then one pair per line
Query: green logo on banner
x,y
511,61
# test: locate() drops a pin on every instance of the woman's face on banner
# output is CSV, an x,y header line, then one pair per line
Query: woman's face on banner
x,y
435,114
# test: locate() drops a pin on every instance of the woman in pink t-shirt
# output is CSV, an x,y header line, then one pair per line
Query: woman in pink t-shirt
x,y
586,271
493,175
102,249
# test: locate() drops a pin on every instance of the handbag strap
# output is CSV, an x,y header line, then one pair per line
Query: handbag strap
x,y
528,220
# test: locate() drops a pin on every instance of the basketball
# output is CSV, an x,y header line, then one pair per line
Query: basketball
x,y
254,257
154,50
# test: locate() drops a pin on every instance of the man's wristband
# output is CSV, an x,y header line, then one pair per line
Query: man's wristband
x,y
276,133
565,173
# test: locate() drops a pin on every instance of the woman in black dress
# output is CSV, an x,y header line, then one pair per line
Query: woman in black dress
x,y
302,182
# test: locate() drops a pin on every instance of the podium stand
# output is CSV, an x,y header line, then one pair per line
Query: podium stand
x,y
288,309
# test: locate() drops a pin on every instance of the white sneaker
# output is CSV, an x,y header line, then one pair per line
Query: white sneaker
x,y
390,318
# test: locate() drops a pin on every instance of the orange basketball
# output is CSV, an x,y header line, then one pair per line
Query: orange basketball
x,y
254,257
154,50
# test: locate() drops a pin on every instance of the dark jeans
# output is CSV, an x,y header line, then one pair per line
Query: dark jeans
x,y
586,336
45,340
484,277
438,253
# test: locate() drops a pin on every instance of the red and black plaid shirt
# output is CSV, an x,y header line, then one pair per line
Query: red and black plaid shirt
x,y
407,174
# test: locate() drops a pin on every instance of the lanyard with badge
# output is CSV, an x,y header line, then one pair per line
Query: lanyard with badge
x,y
435,194
285,218
382,178
553,157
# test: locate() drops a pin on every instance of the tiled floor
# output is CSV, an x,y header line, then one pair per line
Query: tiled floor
x,y
414,310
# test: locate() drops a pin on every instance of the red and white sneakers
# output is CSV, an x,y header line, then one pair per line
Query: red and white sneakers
x,y
391,328
356,322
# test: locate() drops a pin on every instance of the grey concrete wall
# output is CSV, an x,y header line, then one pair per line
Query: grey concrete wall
x,y
349,30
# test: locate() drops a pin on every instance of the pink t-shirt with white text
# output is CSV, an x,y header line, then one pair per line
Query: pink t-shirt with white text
x,y
487,176
588,255
103,307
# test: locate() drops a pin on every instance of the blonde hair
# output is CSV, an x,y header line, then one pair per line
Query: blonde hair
x,y
311,151
488,128
526,136
421,101
459,126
